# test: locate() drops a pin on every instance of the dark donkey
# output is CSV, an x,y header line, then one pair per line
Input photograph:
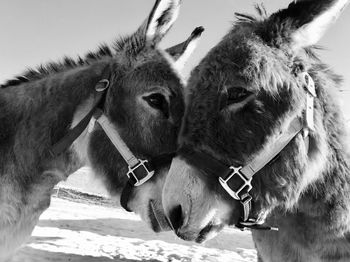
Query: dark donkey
x,y
263,139
135,94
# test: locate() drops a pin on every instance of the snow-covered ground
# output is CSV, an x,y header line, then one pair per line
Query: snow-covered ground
x,y
85,230
70,231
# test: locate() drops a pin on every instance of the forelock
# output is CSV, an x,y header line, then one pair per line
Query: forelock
x,y
131,45
246,56
267,59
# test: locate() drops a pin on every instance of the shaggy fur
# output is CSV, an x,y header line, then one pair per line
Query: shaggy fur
x,y
39,107
305,192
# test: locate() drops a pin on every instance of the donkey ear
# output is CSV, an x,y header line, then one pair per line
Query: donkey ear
x,y
160,20
310,19
182,52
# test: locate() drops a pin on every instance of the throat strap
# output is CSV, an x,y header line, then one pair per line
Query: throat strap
x,y
64,143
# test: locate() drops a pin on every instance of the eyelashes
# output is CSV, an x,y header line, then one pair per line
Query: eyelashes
x,y
234,95
158,102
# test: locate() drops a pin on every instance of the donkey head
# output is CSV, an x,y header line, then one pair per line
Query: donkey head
x,y
242,97
144,103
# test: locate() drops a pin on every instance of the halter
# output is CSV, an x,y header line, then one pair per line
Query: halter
x,y
236,180
139,170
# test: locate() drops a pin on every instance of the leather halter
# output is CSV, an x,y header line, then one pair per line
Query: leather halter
x,y
139,171
236,180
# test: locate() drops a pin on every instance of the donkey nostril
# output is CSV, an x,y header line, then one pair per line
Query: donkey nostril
x,y
176,217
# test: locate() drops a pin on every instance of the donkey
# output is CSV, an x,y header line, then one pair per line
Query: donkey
x,y
121,106
263,139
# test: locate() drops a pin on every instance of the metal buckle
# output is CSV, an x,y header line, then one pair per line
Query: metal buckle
x,y
102,85
246,183
91,125
131,172
311,94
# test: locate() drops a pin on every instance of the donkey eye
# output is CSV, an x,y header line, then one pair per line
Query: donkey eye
x,y
158,101
233,95
236,95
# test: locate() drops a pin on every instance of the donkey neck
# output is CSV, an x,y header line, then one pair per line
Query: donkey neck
x,y
46,109
316,182
329,196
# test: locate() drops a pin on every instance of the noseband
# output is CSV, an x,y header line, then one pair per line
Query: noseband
x,y
139,170
236,180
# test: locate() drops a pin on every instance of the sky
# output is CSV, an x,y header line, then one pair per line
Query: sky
x,y
38,31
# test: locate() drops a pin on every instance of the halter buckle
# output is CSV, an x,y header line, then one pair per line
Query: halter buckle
x,y
246,183
310,96
143,168
102,85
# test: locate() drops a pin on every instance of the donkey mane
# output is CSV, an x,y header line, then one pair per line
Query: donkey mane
x,y
131,44
247,18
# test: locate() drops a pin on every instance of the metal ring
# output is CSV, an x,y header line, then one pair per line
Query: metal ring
x,y
99,87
